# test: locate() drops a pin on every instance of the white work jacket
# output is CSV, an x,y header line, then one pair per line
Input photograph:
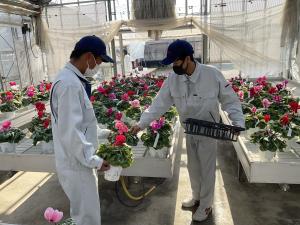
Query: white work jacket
x,y
74,124
196,96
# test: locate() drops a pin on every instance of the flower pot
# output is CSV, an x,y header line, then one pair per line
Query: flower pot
x,y
159,153
8,147
8,115
30,107
21,110
152,152
102,126
47,147
113,174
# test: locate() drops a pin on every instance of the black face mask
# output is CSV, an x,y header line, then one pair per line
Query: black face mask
x,y
179,70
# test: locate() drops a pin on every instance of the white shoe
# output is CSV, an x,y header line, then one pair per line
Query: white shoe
x,y
201,214
189,203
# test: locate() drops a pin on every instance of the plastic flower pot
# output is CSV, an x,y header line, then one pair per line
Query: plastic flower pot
x,y
8,147
30,107
47,147
113,174
102,126
9,115
158,153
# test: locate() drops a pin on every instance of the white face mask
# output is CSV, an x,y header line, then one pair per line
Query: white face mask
x,y
92,72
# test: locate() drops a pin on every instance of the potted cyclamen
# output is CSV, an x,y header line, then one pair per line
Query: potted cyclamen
x,y
104,116
40,128
133,114
9,137
158,138
30,96
121,128
43,91
124,104
9,104
118,154
171,114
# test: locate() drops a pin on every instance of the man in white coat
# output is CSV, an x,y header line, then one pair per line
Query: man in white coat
x,y
196,90
74,128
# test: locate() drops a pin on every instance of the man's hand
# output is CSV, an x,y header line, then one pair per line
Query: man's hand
x,y
105,166
135,129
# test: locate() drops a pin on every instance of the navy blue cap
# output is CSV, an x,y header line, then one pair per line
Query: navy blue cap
x,y
94,45
178,49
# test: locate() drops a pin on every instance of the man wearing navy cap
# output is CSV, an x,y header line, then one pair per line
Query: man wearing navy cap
x,y
74,128
196,90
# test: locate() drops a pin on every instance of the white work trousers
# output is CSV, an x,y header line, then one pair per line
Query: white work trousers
x,y
201,157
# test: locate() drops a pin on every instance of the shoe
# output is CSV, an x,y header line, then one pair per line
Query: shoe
x,y
189,203
201,214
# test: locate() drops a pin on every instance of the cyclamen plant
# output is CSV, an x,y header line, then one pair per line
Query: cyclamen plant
x,y
271,108
41,125
10,134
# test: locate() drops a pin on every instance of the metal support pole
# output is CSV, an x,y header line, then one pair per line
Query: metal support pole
x,y
122,53
96,11
201,7
205,38
115,12
27,58
113,47
186,7
1,74
17,61
128,10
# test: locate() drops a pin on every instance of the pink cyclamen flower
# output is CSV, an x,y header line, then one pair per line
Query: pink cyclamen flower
x,y
146,87
30,94
6,125
135,103
279,86
266,103
101,89
121,127
42,87
118,115
125,97
112,96
241,95
110,111
157,124
285,82
253,109
53,216
12,83
277,98
9,96
258,88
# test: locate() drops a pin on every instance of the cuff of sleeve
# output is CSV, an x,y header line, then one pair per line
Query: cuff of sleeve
x,y
239,124
97,162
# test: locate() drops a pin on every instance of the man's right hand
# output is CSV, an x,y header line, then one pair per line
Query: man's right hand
x,y
105,166
135,129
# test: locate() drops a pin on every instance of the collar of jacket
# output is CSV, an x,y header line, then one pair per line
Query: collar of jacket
x,y
195,75
71,67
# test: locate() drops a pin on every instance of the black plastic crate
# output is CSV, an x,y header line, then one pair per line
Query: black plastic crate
x,y
212,129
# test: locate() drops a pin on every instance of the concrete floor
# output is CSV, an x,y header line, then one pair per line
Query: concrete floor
x,y
24,197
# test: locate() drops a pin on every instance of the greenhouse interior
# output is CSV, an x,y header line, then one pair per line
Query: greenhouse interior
x,y
150,112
